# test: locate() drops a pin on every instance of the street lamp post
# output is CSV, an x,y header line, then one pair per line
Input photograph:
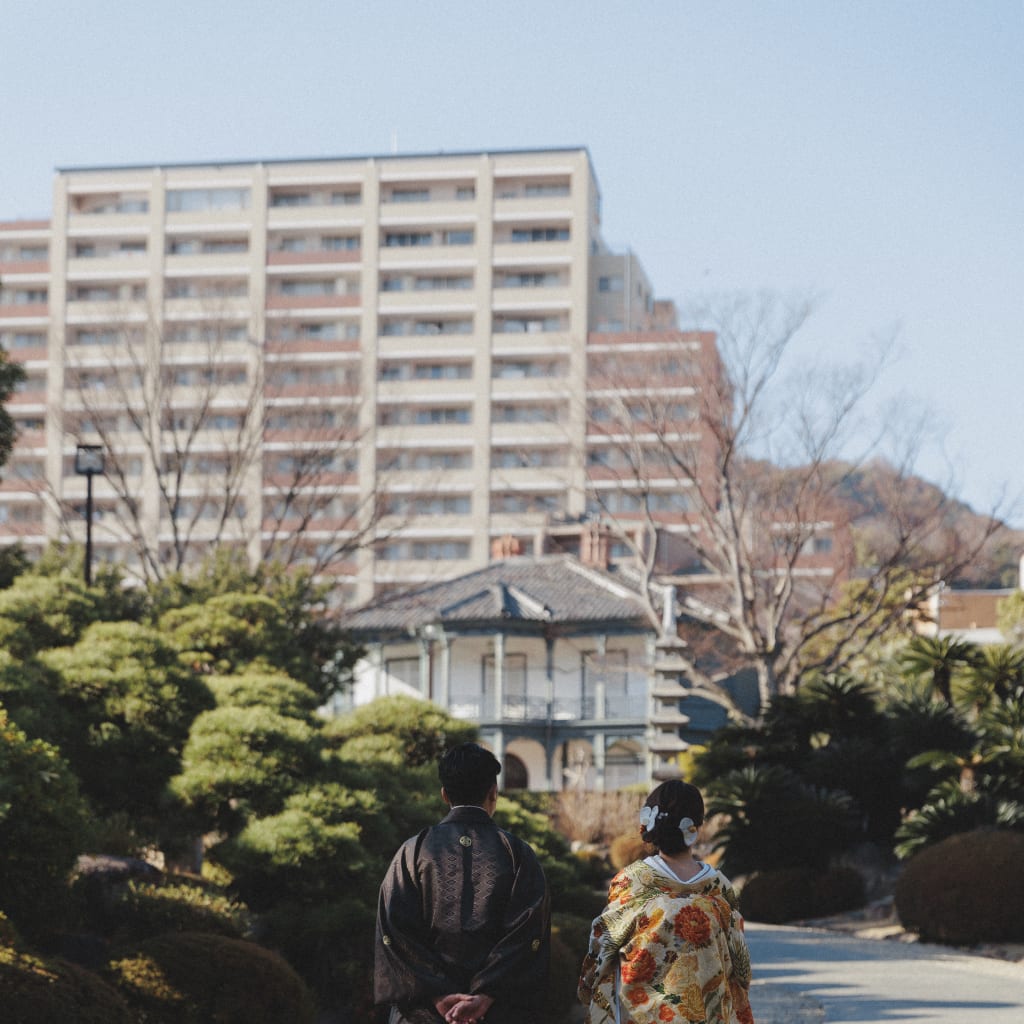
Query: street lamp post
x,y
88,463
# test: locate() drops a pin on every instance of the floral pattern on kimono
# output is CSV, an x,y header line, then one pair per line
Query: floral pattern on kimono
x,y
667,952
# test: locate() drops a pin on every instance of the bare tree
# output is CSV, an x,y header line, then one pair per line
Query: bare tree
x,y
214,438
735,481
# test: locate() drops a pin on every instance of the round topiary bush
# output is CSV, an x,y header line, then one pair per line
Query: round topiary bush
x,y
777,896
793,894
33,990
195,978
967,889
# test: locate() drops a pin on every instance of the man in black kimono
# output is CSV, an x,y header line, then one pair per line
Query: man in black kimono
x,y
463,920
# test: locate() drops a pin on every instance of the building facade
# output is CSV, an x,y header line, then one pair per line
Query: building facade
x,y
375,365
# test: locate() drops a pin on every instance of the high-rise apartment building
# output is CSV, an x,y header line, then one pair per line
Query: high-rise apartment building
x,y
380,365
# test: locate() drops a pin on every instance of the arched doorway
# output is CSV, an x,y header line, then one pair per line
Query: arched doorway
x,y
513,773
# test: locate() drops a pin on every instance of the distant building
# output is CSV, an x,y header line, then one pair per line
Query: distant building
x,y
409,345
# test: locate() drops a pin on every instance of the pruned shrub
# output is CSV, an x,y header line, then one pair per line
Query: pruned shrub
x,y
627,848
940,897
563,978
194,978
33,990
147,910
793,894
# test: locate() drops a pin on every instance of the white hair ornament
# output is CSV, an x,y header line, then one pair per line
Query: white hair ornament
x,y
648,816
689,830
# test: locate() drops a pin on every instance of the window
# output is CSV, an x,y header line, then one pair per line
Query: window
x,y
307,287
408,195
460,236
195,200
405,239
13,340
427,505
184,288
527,413
527,458
23,254
517,503
546,189
419,460
528,325
442,283
23,296
612,283
425,550
335,243
465,192
514,369
540,234
206,246
111,203
530,280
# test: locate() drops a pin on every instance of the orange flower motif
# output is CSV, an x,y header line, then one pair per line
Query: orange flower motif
x,y
666,1012
637,995
744,1014
640,967
692,925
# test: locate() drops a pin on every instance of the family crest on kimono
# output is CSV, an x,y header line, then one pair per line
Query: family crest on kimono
x,y
463,917
669,946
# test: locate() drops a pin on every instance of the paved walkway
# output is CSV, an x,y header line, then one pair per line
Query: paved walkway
x,y
805,975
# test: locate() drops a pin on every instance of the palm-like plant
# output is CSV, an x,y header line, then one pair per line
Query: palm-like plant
x,y
995,674
937,659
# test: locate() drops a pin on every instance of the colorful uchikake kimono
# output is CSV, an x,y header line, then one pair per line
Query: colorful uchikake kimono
x,y
667,952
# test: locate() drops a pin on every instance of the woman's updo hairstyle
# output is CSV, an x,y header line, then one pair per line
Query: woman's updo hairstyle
x,y
674,800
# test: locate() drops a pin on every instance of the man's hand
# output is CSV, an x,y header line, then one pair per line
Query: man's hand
x,y
461,1008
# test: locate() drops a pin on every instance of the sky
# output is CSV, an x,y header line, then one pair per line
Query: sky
x,y
869,154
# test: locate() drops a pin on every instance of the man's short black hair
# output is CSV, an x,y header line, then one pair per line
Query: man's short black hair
x,y
467,773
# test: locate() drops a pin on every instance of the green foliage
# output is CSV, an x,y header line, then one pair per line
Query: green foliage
x,y
423,730
34,991
145,909
308,643
229,631
1010,616
14,561
11,375
130,705
42,826
773,819
938,660
241,762
195,978
794,894
969,888
40,612
252,688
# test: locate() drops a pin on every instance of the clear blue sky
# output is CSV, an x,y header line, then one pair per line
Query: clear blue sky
x,y
870,152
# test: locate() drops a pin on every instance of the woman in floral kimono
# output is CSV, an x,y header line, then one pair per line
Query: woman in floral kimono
x,y
669,947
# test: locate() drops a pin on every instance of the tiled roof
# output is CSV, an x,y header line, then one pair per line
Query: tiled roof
x,y
554,589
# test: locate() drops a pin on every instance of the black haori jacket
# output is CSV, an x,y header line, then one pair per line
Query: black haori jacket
x,y
464,907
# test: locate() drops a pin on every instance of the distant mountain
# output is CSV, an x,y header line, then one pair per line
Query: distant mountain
x,y
998,564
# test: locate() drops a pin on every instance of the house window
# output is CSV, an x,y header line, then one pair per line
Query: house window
x,y
516,701
461,236
403,670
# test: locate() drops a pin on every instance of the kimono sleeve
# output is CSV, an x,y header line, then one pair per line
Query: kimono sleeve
x,y
406,968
